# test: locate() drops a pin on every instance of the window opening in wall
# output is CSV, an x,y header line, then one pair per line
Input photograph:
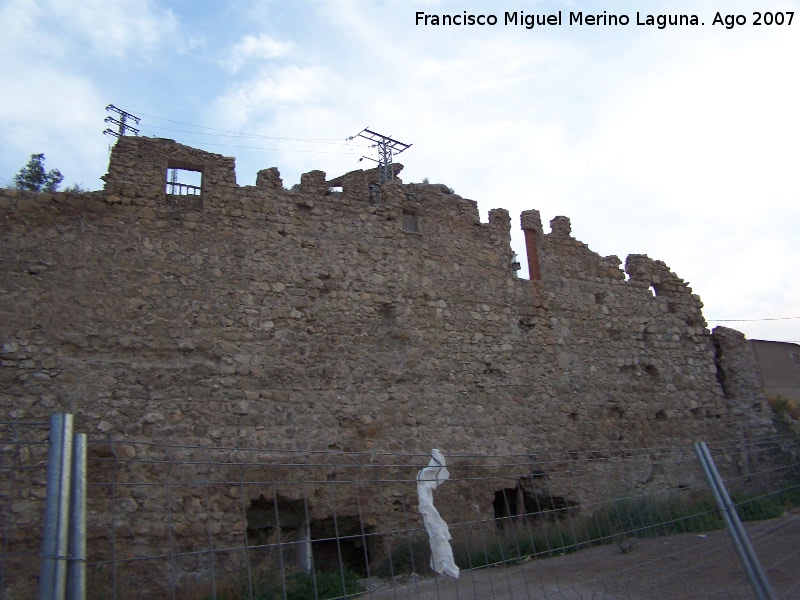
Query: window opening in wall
x,y
410,222
652,290
184,188
796,359
515,264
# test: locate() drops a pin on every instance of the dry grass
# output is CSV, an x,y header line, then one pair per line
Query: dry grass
x,y
784,405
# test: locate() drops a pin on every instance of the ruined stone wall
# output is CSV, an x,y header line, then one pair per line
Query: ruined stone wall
x,y
270,310
634,355
379,317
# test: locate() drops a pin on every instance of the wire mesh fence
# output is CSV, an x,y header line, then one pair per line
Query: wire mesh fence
x,y
187,521
23,484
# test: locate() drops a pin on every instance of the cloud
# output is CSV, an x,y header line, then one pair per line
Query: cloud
x,y
67,131
49,30
114,28
256,99
51,53
690,161
721,126
23,39
255,49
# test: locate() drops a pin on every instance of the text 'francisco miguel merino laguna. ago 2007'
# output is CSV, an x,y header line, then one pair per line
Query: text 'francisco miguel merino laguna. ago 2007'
x,y
661,21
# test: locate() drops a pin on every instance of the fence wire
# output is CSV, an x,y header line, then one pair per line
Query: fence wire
x,y
190,522
23,484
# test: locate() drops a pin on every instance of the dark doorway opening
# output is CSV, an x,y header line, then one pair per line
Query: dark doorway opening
x,y
513,506
282,525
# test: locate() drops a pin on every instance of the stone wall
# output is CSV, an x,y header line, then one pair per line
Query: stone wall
x,y
385,318
778,365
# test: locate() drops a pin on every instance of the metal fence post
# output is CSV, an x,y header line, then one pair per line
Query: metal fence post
x,y
76,570
56,520
755,572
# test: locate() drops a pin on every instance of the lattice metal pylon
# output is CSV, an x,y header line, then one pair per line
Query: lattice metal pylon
x,y
387,148
173,180
121,123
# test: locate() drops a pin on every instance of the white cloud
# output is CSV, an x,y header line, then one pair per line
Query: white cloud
x,y
114,28
48,30
52,102
257,98
23,39
722,126
255,49
67,131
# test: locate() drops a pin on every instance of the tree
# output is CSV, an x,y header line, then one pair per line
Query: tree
x,y
32,177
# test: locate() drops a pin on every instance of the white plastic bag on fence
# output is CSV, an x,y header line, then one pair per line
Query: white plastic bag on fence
x,y
428,479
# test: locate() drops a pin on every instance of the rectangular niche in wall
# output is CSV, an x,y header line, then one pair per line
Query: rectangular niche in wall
x,y
184,186
410,222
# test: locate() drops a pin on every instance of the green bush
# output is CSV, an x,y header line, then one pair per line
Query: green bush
x,y
298,586
301,586
410,556
621,521
755,508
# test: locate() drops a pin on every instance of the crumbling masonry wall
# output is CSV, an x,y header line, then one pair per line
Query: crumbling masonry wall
x,y
379,317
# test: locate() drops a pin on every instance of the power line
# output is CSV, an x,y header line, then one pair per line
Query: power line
x,y
256,136
750,320
241,133
230,133
758,320
263,148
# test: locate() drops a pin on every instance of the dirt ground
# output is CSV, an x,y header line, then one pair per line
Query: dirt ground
x,y
678,566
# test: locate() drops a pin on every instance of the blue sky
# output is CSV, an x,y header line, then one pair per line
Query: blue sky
x,y
680,143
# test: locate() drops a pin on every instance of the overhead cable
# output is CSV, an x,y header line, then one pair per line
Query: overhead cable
x,y
240,133
742,320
